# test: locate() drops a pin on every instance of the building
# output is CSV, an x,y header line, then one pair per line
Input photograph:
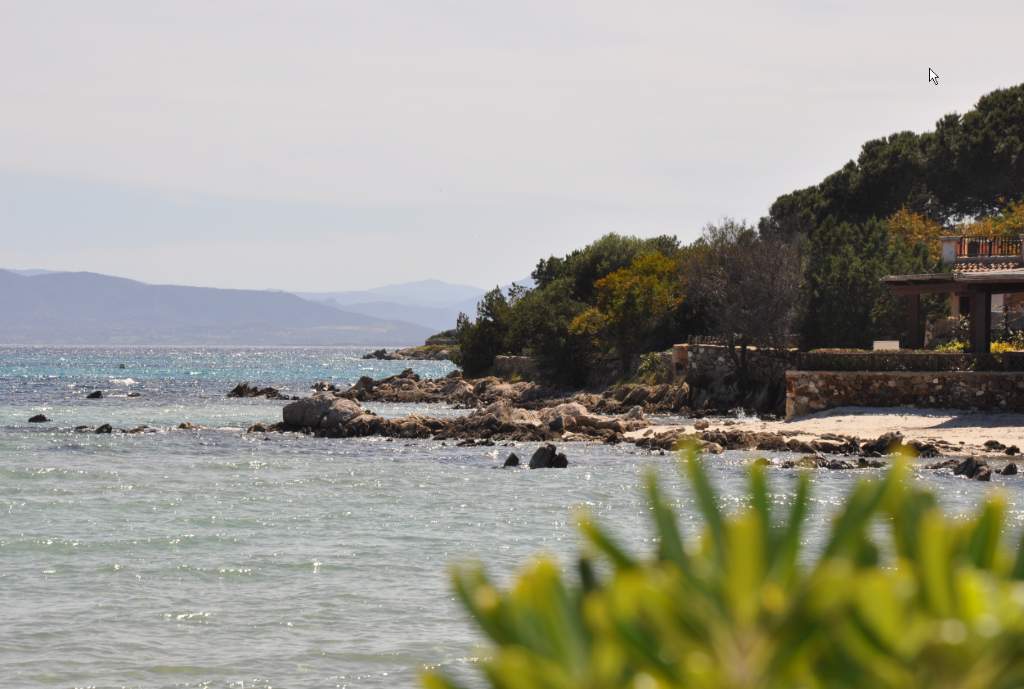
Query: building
x,y
977,270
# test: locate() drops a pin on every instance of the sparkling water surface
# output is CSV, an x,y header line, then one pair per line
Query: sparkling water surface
x,y
216,558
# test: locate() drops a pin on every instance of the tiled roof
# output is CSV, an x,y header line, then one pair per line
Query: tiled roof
x,y
972,267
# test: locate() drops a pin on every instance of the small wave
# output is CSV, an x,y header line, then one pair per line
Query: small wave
x,y
124,381
201,617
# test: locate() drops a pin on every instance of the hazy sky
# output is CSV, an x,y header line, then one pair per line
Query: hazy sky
x,y
336,145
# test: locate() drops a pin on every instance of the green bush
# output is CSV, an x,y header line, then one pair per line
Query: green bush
x,y
898,595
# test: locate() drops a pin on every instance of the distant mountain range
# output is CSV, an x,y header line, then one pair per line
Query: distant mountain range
x,y
41,307
431,303
47,307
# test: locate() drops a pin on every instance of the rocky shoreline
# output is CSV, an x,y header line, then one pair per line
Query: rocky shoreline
x,y
463,393
504,412
654,418
426,352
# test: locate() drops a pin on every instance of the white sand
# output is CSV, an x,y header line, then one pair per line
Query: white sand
x,y
966,430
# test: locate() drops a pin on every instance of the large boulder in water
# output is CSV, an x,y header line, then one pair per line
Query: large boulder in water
x,y
38,418
308,412
95,395
548,457
339,414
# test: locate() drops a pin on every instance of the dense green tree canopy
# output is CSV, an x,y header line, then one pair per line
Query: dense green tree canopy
x,y
970,166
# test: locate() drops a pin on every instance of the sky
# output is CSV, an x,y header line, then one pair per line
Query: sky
x,y
323,146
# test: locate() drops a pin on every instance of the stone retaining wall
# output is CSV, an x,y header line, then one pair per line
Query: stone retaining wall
x,y
906,360
518,367
715,383
811,391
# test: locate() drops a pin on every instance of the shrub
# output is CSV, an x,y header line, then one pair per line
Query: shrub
x,y
655,368
899,595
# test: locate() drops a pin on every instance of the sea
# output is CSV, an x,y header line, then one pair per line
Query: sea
x,y
213,557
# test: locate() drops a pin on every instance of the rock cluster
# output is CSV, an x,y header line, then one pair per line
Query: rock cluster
x,y
455,390
974,468
421,353
338,416
248,390
548,457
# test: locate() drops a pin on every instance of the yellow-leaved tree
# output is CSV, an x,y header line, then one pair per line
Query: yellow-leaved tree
x,y
914,228
629,300
1009,222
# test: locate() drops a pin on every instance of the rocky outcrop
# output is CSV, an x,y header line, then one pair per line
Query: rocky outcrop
x,y
338,416
95,395
457,391
248,390
105,428
421,353
652,399
453,389
38,418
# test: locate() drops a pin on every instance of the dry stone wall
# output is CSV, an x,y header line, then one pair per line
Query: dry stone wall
x,y
811,391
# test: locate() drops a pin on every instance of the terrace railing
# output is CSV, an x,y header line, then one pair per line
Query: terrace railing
x,y
983,247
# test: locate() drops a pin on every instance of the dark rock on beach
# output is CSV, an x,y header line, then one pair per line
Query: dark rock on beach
x,y
38,418
1009,470
885,444
95,395
923,450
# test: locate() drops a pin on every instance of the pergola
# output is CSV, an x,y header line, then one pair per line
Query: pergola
x,y
977,285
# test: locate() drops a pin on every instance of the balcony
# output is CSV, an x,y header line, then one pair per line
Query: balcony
x,y
971,253
986,247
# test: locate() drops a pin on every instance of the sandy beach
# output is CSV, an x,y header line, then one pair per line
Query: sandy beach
x,y
957,431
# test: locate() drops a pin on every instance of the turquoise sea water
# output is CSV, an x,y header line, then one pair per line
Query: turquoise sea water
x,y
216,558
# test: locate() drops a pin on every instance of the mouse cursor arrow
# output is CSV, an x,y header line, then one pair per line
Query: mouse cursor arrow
x,y
933,77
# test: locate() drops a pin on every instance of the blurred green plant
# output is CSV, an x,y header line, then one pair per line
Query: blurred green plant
x,y
899,595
